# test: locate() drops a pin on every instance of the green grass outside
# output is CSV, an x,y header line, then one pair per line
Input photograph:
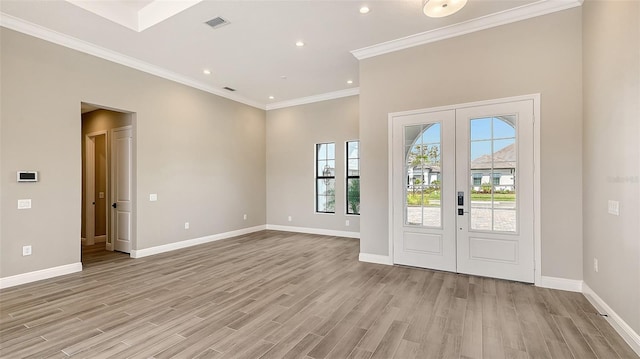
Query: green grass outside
x,y
501,197
415,199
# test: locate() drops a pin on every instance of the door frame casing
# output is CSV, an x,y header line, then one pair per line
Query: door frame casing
x,y
537,247
89,190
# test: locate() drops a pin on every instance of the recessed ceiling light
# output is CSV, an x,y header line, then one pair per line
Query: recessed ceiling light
x,y
206,72
350,82
364,10
299,43
283,77
271,97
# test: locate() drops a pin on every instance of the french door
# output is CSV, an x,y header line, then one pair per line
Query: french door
x,y
462,188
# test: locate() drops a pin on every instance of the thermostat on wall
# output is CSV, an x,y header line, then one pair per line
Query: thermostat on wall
x,y
27,176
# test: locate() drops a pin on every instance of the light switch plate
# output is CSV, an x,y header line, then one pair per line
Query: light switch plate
x,y
153,197
26,251
24,203
100,194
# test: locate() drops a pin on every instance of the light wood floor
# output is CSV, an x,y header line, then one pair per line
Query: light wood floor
x,y
285,295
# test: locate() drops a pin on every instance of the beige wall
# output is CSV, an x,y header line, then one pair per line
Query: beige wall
x,y
291,137
202,154
539,55
96,121
611,48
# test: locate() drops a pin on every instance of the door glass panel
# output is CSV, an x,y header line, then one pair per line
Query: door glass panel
x,y
504,127
493,174
422,172
481,129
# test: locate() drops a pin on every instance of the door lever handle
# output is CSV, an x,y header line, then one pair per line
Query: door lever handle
x,y
114,205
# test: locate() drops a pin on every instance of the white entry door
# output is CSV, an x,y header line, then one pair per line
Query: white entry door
x,y
122,142
462,188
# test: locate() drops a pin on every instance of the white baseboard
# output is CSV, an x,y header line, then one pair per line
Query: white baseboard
x,y
571,285
324,232
626,332
375,258
139,253
35,276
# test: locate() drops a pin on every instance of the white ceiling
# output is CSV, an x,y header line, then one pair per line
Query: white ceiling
x,y
256,50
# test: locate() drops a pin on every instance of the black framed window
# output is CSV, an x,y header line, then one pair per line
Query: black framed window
x,y
326,177
353,177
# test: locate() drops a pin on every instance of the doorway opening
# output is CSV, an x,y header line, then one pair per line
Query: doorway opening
x,y
108,157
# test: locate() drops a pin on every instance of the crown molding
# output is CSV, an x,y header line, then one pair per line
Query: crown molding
x,y
25,27
315,98
539,8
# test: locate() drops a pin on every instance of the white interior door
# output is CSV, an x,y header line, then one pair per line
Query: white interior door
x,y
462,188
122,141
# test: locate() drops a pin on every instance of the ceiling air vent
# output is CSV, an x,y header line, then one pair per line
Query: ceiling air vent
x,y
217,22
229,89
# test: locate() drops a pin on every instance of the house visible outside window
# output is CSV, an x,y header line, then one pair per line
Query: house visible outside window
x,y
353,177
325,178
477,179
496,179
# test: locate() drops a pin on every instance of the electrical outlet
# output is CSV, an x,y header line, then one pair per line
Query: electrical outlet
x,y
595,265
245,217
26,251
101,195
186,225
346,223
290,218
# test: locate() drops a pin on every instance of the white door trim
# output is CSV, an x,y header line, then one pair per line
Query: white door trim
x,y
536,171
90,181
89,189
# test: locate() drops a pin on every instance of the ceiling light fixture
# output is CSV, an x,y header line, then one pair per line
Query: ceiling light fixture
x,y
299,43
364,10
350,82
442,8
206,72
271,97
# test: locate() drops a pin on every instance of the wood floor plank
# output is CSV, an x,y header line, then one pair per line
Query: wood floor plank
x,y
390,341
574,339
407,350
302,347
615,341
358,353
378,329
471,347
346,345
277,294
